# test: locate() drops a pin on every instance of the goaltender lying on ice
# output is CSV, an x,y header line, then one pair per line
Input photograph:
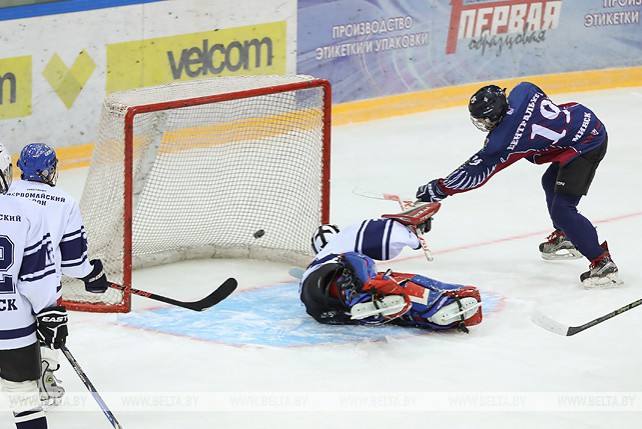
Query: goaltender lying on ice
x,y
342,286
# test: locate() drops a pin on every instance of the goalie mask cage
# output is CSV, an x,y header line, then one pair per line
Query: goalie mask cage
x,y
229,167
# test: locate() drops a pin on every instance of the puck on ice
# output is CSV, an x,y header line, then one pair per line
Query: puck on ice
x,y
258,234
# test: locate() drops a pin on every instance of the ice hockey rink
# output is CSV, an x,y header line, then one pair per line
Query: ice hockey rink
x,y
256,360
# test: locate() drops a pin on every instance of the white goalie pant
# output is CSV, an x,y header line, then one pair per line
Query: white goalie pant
x,y
23,396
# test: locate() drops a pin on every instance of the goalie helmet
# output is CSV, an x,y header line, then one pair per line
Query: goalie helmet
x,y
322,236
6,169
487,107
38,163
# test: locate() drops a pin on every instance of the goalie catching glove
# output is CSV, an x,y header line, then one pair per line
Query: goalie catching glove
x,y
96,281
51,326
418,217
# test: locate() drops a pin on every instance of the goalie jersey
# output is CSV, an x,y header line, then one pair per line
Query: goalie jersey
x,y
380,239
65,222
28,278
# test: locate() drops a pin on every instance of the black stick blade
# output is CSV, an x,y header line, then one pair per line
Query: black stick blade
x,y
221,292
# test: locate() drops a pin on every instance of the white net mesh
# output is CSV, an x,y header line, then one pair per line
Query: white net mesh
x,y
207,177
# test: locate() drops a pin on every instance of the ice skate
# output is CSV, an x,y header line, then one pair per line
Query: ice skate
x,y
602,273
558,247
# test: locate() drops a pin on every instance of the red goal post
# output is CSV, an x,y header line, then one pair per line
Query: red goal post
x,y
232,167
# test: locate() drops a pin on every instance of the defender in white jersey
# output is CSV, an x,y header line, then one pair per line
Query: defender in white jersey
x,y
28,298
39,166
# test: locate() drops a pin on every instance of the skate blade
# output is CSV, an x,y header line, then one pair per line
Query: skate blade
x,y
562,255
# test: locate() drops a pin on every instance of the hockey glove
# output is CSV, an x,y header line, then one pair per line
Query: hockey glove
x,y
431,192
96,281
51,326
424,227
418,217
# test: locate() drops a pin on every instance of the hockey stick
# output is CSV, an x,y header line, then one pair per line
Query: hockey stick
x,y
90,387
222,292
558,328
404,203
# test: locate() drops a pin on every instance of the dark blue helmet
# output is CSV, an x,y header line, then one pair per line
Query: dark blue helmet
x,y
38,163
487,107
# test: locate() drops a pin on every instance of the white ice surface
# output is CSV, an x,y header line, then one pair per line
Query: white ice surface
x,y
506,373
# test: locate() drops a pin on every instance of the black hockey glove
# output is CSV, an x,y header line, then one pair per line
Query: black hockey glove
x,y
96,281
51,326
431,192
424,227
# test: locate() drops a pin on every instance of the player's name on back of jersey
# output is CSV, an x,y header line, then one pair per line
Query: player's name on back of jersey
x,y
8,305
39,197
10,218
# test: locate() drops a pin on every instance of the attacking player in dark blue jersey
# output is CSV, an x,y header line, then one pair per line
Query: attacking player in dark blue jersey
x,y
569,136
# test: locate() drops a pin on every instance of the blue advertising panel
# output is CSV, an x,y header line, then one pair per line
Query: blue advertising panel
x,y
375,48
31,8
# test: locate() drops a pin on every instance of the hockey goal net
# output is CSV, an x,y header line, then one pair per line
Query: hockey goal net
x,y
231,167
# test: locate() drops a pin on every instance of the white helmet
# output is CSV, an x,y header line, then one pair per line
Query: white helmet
x,y
322,236
6,169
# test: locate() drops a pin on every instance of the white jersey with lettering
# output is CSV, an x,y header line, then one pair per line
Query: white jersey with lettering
x,y
28,278
65,222
380,239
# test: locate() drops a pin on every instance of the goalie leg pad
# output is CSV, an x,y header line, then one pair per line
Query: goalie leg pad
x,y
466,308
439,306
472,315
380,300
